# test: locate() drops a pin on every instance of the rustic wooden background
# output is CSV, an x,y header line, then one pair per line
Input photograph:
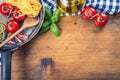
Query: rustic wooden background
x,y
82,52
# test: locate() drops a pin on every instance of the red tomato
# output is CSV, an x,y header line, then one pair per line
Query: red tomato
x,y
12,26
101,19
88,13
5,8
18,15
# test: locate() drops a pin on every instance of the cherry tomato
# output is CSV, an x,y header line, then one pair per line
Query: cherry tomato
x,y
88,13
5,8
101,19
12,26
18,15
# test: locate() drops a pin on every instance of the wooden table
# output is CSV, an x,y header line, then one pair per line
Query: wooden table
x,y
82,52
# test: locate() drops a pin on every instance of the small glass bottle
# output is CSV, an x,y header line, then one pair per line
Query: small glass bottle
x,y
70,6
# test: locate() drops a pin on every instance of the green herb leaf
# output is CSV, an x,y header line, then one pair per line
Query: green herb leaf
x,y
54,29
57,12
44,30
45,27
46,24
55,18
48,13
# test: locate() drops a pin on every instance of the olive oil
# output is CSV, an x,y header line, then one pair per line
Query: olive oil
x,y
70,6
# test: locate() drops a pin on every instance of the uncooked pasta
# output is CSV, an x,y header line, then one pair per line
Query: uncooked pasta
x,y
31,8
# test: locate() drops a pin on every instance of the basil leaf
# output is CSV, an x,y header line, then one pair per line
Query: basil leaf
x,y
44,30
55,18
54,29
48,13
46,24
57,12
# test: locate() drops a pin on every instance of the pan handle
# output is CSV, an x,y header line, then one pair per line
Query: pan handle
x,y
6,64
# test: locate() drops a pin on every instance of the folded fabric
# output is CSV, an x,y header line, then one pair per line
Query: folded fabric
x,y
111,7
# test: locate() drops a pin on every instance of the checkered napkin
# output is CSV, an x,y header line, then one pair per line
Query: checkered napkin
x,y
111,7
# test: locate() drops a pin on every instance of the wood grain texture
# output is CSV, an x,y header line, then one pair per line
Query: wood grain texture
x,y
82,52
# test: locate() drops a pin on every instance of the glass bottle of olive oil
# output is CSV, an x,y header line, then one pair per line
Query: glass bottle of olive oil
x,y
70,6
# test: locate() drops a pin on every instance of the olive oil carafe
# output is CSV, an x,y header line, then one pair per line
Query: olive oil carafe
x,y
70,6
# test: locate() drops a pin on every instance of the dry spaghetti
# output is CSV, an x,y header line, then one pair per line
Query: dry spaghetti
x,y
30,8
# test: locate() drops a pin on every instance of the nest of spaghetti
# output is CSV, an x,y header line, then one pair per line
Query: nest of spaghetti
x,y
31,8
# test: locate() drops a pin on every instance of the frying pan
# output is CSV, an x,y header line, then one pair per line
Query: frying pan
x,y
8,49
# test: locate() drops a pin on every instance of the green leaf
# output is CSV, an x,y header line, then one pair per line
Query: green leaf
x,y
55,18
54,29
46,24
57,12
44,30
48,13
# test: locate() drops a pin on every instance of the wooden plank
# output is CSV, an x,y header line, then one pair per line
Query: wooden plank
x,y
82,52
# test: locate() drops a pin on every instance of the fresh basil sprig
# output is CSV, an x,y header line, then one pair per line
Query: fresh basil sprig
x,y
50,22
